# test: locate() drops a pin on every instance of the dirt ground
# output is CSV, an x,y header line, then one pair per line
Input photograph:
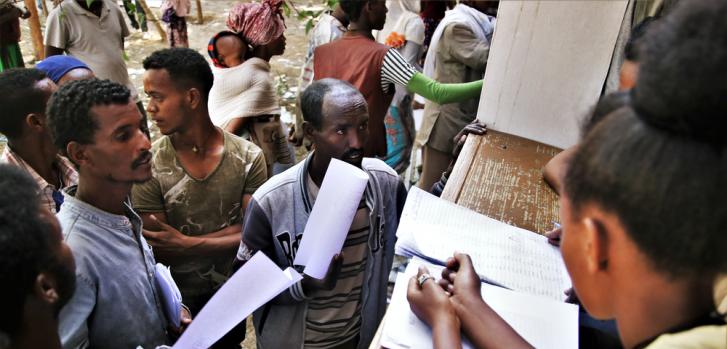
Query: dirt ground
x,y
285,68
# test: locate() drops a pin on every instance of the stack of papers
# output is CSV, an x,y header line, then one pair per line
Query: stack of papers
x,y
433,229
541,322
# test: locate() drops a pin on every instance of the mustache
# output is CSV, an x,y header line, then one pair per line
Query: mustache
x,y
143,158
353,153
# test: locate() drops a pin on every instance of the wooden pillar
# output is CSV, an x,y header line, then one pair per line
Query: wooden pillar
x,y
200,17
151,17
35,32
45,8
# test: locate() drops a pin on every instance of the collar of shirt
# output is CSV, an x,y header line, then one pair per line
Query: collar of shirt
x,y
77,8
93,214
68,173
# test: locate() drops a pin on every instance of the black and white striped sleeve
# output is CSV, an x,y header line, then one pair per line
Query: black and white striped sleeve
x,y
395,70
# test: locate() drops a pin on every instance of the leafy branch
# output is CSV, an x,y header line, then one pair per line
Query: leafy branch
x,y
310,17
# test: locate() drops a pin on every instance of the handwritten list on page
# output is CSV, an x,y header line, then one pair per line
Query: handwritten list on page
x,y
517,258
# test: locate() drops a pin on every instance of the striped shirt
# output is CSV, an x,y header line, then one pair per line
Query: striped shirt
x,y
50,196
395,70
334,317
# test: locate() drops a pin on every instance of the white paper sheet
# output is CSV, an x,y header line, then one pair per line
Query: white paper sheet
x,y
169,294
331,217
517,258
257,282
543,323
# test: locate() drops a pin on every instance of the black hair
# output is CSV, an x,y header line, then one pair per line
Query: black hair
x,y
681,84
660,165
19,97
631,50
605,106
311,100
184,66
353,8
25,244
69,109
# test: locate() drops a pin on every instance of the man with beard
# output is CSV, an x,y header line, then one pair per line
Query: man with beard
x,y
344,309
96,124
36,268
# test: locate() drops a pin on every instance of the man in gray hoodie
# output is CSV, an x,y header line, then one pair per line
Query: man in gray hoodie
x,y
344,309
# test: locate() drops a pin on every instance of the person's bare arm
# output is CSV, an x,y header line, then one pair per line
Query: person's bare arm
x,y
171,243
53,51
479,321
555,170
432,305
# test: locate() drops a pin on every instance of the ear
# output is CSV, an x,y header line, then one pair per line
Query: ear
x,y
308,130
76,152
46,288
35,122
597,242
194,98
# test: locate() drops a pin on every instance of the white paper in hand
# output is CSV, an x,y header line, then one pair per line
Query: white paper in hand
x,y
331,218
256,283
170,295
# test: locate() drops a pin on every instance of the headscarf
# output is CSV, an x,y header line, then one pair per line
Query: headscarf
x,y
212,49
259,24
57,66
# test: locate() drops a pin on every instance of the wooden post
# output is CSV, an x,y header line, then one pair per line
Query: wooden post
x,y
151,17
45,8
200,17
35,32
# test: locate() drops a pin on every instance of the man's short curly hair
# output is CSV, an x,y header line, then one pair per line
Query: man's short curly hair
x,y
184,65
25,244
69,109
19,97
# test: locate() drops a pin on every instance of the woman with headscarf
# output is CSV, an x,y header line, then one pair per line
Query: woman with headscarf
x,y
243,99
173,15
403,31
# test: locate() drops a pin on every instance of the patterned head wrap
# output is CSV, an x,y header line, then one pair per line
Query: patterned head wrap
x,y
258,24
212,49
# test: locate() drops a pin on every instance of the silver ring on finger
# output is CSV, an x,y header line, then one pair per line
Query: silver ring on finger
x,y
423,278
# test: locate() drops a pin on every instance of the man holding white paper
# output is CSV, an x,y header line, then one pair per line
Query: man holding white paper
x,y
343,309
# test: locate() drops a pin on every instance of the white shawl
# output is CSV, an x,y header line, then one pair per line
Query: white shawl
x,y
242,91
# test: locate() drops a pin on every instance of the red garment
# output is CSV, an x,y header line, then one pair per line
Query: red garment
x,y
358,60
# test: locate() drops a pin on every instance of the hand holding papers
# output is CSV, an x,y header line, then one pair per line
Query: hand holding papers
x,y
257,282
330,220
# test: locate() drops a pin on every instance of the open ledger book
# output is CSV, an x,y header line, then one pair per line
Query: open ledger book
x,y
433,229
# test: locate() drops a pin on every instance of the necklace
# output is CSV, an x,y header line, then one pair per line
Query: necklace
x,y
196,149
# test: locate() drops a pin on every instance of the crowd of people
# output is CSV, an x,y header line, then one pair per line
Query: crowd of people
x,y
91,204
